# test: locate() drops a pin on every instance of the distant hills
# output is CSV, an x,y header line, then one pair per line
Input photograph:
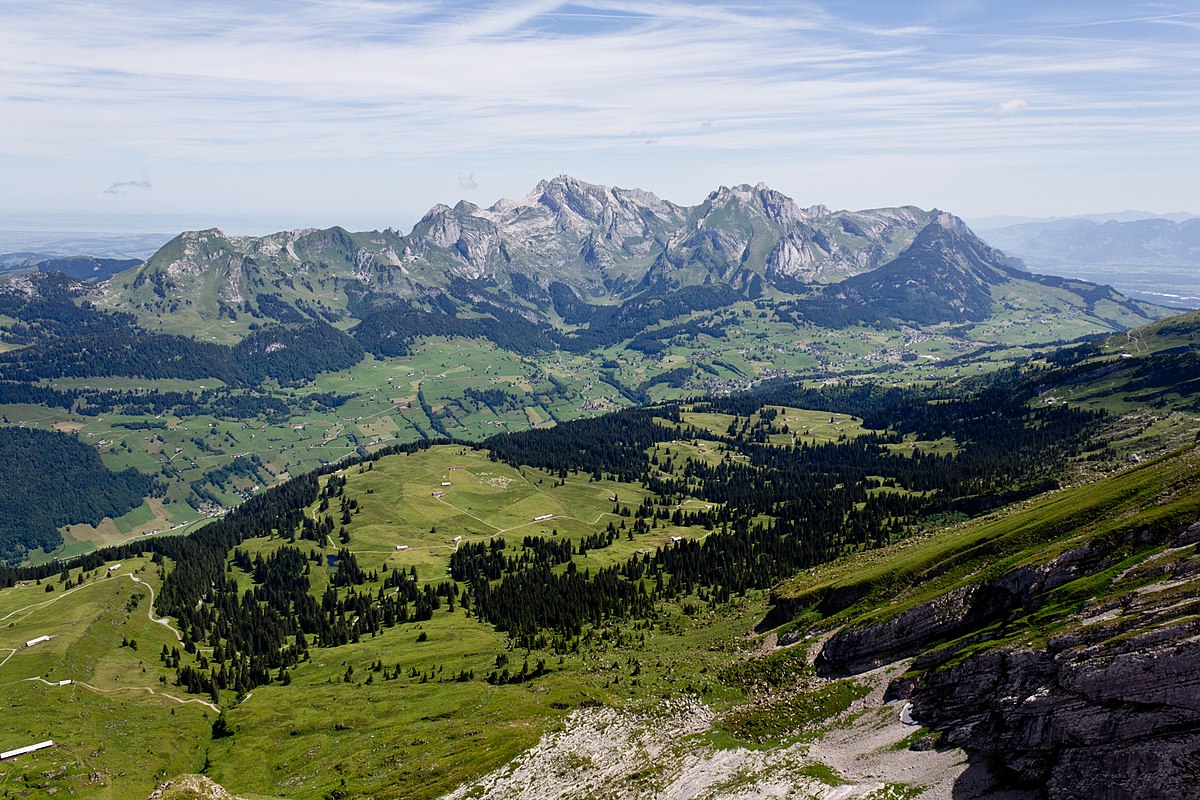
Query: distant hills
x,y
1147,242
83,268
1155,258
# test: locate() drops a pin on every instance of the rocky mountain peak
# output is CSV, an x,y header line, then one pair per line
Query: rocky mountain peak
x,y
578,201
948,221
466,207
775,206
202,236
439,210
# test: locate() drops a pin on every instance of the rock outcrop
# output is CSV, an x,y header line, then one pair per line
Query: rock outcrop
x,y
191,787
1108,706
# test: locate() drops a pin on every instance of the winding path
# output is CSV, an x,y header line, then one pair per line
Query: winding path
x,y
147,689
150,609
72,682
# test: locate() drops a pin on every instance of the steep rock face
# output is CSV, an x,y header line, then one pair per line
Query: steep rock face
x,y
563,229
1107,707
855,242
744,229
1110,711
471,238
604,239
854,650
964,609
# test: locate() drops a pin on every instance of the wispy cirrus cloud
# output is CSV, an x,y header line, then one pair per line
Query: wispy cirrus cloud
x,y
541,81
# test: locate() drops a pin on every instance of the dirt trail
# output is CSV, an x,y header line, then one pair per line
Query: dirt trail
x,y
147,689
71,682
150,609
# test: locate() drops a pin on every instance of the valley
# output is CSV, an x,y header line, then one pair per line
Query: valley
x,y
752,505
223,365
421,666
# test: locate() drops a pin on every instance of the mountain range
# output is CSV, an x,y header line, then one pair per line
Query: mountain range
x,y
570,244
574,300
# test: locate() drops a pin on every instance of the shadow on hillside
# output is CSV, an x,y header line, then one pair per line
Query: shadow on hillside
x,y
979,782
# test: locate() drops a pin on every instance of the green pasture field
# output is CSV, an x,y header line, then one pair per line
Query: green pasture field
x,y
485,499
383,406
343,724
386,716
119,726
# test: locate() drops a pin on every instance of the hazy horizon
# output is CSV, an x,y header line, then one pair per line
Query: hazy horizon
x,y
169,224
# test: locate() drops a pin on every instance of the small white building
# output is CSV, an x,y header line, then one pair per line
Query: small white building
x,y
401,547
38,640
543,518
20,751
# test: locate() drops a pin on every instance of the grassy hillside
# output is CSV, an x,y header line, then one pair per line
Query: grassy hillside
x,y
418,705
119,725
390,715
1152,500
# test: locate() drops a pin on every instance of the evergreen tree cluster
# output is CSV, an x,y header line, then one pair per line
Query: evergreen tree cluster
x,y
50,311
286,353
79,489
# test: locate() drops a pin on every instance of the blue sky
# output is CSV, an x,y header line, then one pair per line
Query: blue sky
x,y
366,112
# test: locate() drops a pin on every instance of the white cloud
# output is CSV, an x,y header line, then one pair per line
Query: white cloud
x,y
123,187
1014,106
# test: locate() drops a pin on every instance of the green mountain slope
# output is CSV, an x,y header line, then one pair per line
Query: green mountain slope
x,y
1053,640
